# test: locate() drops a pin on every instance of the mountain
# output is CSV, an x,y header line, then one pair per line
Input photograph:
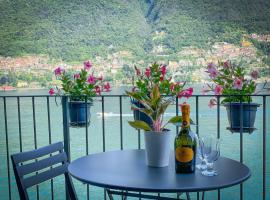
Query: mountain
x,y
77,30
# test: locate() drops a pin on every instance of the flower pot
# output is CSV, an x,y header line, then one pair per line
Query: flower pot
x,y
157,148
248,116
79,113
138,115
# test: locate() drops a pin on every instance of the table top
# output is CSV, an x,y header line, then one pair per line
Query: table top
x,y
127,170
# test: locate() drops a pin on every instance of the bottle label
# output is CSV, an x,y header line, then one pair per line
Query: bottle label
x,y
184,154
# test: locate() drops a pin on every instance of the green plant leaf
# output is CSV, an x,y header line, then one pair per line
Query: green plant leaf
x,y
134,95
155,95
139,125
178,119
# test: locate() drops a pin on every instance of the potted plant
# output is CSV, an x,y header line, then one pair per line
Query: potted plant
x,y
81,86
149,92
230,79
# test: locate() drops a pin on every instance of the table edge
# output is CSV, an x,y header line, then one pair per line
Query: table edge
x,y
110,186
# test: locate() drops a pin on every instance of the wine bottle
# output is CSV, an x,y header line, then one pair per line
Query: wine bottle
x,y
185,145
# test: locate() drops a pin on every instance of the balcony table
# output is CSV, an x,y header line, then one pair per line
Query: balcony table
x,y
125,172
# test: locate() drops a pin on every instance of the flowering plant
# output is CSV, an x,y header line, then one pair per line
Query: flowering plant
x,y
230,79
150,90
80,84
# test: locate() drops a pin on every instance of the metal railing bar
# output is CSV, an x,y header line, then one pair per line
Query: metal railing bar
x,y
86,141
103,133
66,133
241,142
218,128
264,147
19,121
121,123
34,104
50,140
123,95
7,148
177,112
139,147
197,128
35,135
103,124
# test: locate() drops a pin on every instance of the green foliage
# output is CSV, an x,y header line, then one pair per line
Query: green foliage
x,y
80,86
151,86
230,79
79,30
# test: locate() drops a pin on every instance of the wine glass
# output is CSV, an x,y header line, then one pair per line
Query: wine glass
x,y
211,153
202,165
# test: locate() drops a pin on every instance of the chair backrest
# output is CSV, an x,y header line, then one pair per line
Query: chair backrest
x,y
53,164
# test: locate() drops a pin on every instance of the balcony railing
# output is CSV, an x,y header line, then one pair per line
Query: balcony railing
x,y
28,122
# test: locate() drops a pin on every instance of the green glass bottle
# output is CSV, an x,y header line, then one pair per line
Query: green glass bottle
x,y
185,145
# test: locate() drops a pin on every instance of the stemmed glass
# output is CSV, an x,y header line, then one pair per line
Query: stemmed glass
x,y
211,153
202,165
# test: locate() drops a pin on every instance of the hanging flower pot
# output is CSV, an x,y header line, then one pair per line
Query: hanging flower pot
x,y
79,113
231,80
248,116
81,86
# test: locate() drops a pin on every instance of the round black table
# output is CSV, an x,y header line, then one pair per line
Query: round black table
x,y
126,170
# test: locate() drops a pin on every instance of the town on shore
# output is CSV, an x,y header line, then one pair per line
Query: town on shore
x,y
36,71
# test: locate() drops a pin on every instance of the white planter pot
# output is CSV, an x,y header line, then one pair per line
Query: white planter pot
x,y
157,148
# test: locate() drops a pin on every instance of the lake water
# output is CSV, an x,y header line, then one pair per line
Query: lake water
x,y
252,152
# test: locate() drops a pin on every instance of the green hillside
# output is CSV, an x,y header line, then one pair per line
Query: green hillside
x,y
78,30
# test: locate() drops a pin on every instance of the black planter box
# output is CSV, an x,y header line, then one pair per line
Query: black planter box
x,y
248,116
79,113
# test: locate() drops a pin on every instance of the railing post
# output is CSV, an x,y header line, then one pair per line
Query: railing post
x,y
66,133
66,126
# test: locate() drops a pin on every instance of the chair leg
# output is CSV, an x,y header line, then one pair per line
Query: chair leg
x,y
188,197
109,194
202,195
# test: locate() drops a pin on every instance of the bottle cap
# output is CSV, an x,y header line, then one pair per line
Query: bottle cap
x,y
185,108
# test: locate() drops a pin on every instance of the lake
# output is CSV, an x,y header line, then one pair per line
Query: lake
x,y
252,143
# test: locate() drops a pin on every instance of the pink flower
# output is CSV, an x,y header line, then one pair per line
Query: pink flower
x,y
77,76
172,86
238,84
212,70
218,90
87,65
51,91
161,78
138,72
163,70
213,74
212,103
186,93
254,74
148,72
91,79
98,90
211,67
107,87
100,78
58,71
226,64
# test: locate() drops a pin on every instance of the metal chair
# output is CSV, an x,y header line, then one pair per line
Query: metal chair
x,y
55,156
